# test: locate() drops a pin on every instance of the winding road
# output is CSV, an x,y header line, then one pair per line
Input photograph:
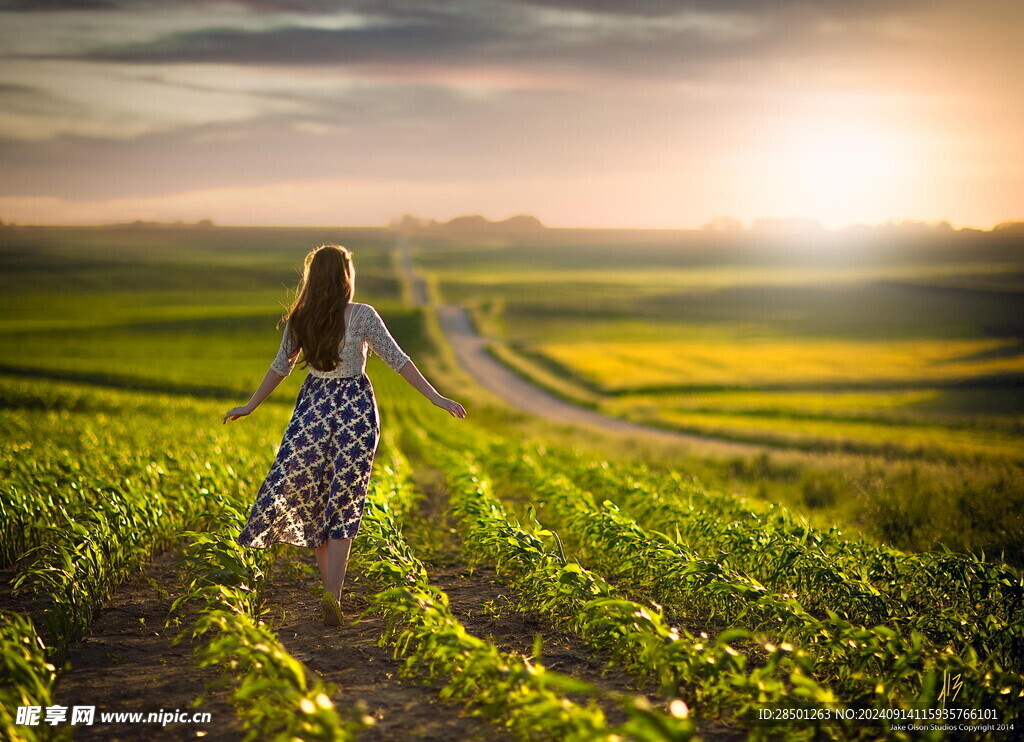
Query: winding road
x,y
470,350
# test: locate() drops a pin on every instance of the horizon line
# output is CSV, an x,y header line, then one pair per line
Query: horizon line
x,y
933,226
797,224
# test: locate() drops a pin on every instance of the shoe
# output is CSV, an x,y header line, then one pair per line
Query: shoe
x,y
331,610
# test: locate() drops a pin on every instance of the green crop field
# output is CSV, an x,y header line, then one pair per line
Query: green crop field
x,y
894,361
867,567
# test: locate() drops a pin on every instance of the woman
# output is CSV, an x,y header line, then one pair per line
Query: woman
x,y
316,488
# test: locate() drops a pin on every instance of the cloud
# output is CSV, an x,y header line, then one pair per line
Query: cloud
x,y
16,89
426,8
385,8
39,6
16,98
521,38
412,131
665,8
652,40
304,46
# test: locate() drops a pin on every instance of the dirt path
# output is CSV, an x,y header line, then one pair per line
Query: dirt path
x,y
126,663
470,350
416,282
349,657
409,708
481,600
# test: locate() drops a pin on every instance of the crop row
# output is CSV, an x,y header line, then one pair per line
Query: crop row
x,y
719,678
69,449
276,696
92,496
877,665
525,696
822,581
873,666
77,568
79,516
927,581
877,578
944,596
29,678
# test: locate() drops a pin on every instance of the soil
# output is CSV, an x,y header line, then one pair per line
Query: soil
x,y
363,672
405,708
127,663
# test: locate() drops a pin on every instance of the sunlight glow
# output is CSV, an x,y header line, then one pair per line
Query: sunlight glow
x,y
845,176
842,164
836,173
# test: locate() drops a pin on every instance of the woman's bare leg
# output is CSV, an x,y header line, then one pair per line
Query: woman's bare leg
x,y
321,557
337,563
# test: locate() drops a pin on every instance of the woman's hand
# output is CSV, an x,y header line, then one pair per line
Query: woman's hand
x,y
451,405
236,412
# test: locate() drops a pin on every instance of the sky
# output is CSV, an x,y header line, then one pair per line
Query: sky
x,y
588,113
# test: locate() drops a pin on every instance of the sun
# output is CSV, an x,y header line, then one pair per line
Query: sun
x,y
838,175
842,164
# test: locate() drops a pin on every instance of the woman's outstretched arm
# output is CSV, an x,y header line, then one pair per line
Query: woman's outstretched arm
x,y
410,373
383,344
270,382
281,368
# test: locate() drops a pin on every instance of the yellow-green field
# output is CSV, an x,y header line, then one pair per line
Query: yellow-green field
x,y
907,345
823,433
613,367
717,277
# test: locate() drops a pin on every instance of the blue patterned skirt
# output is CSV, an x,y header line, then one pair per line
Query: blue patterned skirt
x,y
317,485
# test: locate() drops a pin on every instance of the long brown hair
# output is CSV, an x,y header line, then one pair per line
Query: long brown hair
x,y
316,318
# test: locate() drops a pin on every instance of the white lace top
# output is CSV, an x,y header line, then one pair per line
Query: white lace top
x,y
365,328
